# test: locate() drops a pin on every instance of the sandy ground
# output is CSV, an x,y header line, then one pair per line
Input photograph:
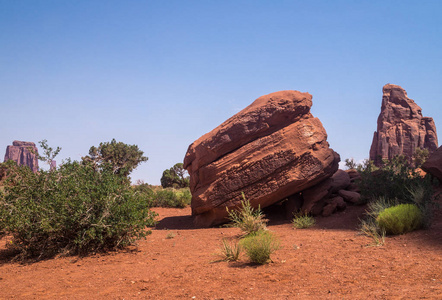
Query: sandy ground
x,y
327,261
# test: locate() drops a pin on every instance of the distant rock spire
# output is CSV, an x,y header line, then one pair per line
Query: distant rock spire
x,y
401,128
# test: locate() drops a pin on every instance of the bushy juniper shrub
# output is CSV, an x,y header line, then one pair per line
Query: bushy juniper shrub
x,y
260,245
72,210
400,219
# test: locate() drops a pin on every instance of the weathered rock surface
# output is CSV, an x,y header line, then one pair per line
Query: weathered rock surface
x,y
349,196
314,197
24,154
401,128
340,181
272,149
433,165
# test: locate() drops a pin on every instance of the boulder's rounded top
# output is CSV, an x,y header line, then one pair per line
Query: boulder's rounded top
x,y
262,117
287,97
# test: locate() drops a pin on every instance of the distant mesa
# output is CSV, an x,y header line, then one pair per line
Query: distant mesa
x,y
24,154
270,151
401,128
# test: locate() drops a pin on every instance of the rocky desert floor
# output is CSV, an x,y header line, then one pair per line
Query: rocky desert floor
x,y
328,261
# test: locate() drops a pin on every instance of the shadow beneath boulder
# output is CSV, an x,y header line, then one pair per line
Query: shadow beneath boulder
x,y
348,219
176,222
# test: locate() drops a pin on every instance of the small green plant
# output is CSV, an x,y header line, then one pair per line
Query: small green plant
x,y
230,251
247,218
260,245
400,219
303,220
369,227
170,235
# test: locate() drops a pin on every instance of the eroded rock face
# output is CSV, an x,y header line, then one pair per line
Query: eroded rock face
x,y
24,153
272,149
433,165
401,128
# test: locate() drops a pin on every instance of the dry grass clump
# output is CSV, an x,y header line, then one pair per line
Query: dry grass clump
x,y
302,220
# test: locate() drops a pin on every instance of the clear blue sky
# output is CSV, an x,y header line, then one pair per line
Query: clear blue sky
x,y
159,74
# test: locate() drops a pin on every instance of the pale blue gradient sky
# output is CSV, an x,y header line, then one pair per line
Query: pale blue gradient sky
x,y
160,74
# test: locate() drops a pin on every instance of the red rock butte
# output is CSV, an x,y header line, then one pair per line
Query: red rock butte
x,y
401,128
272,149
24,154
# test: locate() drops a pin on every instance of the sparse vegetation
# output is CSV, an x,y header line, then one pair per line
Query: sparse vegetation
x,y
395,183
247,218
170,235
260,245
230,251
258,242
371,229
422,196
303,220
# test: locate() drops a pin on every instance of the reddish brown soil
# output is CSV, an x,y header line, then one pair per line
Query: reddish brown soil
x,y
328,261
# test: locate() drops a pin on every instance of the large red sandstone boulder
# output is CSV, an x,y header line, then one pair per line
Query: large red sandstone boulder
x,y
433,165
401,128
270,150
24,154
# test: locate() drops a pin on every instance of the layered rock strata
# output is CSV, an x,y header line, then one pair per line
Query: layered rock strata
x,y
272,149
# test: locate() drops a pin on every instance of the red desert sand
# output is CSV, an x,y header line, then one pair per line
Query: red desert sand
x,y
328,261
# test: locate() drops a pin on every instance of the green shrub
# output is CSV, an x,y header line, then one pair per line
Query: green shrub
x,y
260,245
392,180
171,198
72,210
144,188
303,220
247,218
400,219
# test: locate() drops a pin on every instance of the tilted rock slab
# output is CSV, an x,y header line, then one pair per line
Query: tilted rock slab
x,y
24,154
270,150
401,128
